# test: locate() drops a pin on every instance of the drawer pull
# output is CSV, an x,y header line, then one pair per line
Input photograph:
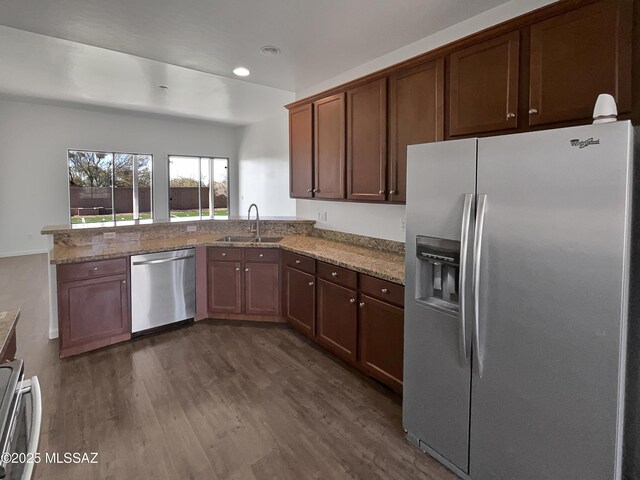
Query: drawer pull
x,y
361,304
352,300
224,254
311,284
261,255
297,261
334,274
384,290
533,111
95,269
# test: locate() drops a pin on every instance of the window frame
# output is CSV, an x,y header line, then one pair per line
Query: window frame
x,y
135,195
211,216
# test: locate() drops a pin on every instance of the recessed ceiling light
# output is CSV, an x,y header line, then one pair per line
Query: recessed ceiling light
x,y
241,72
163,87
270,50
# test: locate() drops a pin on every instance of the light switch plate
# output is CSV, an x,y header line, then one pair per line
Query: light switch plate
x,y
322,216
192,228
403,225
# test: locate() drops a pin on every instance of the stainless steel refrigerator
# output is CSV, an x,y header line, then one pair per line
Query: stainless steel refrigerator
x,y
517,274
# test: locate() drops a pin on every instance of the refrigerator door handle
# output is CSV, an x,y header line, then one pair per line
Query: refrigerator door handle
x,y
475,285
464,251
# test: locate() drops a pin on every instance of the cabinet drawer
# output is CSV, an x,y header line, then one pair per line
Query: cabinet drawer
x,y
269,255
378,288
225,254
98,268
339,275
299,262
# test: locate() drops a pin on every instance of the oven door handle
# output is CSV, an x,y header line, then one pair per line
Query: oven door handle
x,y
32,386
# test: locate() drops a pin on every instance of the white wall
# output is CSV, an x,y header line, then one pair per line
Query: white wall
x,y
34,139
384,221
263,162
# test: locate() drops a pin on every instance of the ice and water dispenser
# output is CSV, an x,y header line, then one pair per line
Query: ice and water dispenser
x,y
438,266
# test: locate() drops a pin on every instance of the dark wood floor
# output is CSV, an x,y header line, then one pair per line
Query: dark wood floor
x,y
209,401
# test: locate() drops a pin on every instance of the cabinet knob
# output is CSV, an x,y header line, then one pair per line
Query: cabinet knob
x,y
124,282
246,269
237,269
381,192
309,190
361,304
224,254
261,255
334,274
352,300
95,269
315,190
511,115
533,111
384,290
392,192
297,261
311,284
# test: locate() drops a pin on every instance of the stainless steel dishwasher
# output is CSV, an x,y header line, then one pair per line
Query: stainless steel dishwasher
x,y
163,288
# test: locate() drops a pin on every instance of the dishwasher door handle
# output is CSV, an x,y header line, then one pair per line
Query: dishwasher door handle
x,y
162,260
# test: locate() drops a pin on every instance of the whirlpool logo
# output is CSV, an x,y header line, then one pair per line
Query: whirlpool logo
x,y
584,143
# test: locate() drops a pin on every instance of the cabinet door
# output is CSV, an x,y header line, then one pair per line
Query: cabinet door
x,y
381,338
93,313
337,328
300,300
224,287
577,56
329,133
483,86
416,115
367,141
262,288
301,152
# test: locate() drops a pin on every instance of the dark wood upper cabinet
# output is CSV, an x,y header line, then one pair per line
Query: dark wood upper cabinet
x,y
483,86
93,305
381,338
577,56
224,287
301,151
262,288
367,141
329,152
300,300
416,115
337,328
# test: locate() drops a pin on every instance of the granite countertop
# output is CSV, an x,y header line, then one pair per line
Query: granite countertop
x,y
374,262
8,320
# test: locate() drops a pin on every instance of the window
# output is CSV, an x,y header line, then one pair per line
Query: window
x,y
109,186
196,184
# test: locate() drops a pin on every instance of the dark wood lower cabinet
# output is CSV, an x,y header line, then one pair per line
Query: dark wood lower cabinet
x,y
224,287
93,313
300,300
381,340
262,292
337,328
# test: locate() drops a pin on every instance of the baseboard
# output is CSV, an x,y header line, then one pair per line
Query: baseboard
x,y
20,254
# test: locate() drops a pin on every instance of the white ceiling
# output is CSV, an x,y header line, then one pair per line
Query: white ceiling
x,y
41,67
318,38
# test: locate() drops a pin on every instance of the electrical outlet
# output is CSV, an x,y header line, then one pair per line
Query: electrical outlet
x,y
322,216
109,235
192,228
403,225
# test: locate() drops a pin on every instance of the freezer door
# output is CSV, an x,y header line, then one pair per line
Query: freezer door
x,y
436,374
547,403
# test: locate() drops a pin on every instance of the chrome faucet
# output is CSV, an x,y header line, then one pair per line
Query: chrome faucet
x,y
257,227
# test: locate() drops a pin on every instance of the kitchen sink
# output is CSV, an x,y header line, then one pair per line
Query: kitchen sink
x,y
241,238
